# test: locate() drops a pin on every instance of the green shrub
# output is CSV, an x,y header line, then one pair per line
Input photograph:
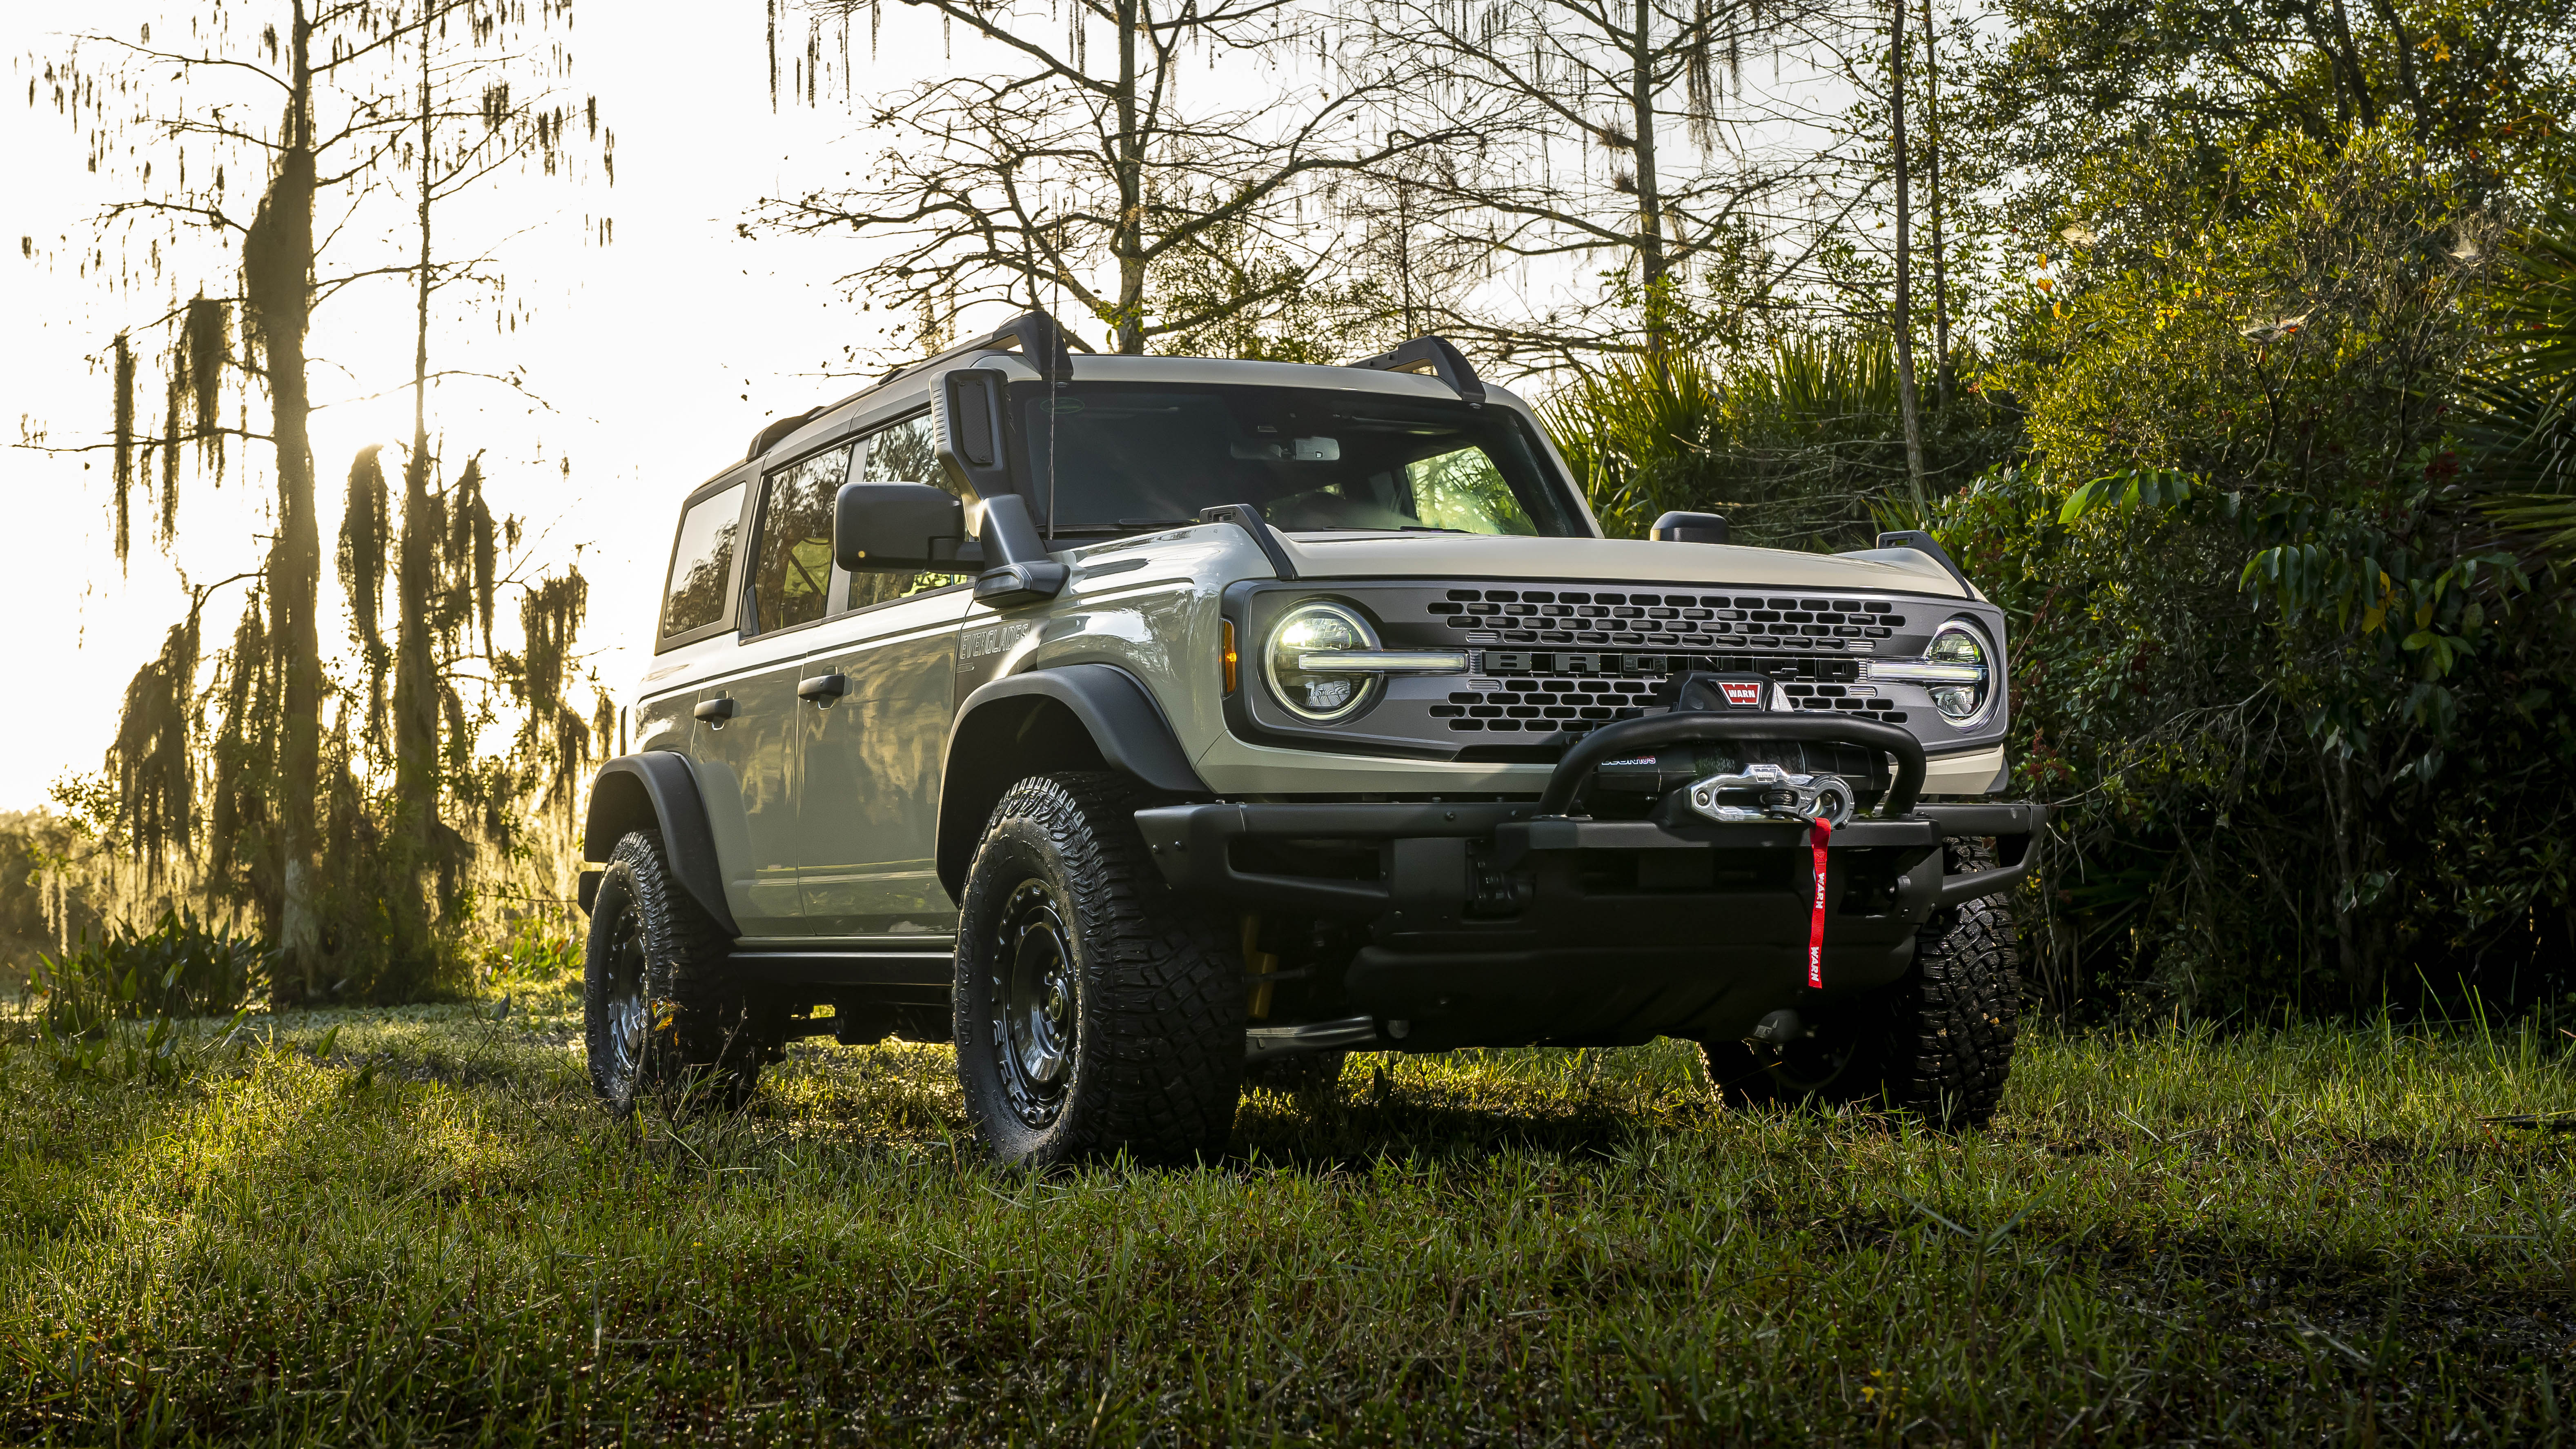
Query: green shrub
x,y
2308,714
114,1004
536,951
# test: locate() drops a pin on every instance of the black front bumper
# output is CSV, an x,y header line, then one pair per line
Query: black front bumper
x,y
1489,923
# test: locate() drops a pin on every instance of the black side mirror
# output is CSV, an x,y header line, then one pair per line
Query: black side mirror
x,y
966,429
899,528
1689,528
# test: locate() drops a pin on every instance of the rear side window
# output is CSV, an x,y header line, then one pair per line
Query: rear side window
x,y
701,563
794,574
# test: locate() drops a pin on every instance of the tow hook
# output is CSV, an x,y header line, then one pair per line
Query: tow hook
x,y
1767,792
1777,1030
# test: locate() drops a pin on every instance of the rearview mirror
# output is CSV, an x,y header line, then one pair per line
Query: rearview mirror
x,y
899,528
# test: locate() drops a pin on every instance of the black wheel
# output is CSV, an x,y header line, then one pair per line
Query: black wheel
x,y
1307,1078
1938,1042
659,1012
1096,1009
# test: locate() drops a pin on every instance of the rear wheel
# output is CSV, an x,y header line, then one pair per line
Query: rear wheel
x,y
660,1014
1938,1042
1097,1010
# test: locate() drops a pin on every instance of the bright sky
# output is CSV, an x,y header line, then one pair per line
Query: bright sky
x,y
659,355
656,357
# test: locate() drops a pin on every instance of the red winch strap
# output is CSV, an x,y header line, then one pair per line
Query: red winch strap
x,y
1819,831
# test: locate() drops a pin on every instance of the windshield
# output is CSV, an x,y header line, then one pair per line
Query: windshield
x,y
1113,458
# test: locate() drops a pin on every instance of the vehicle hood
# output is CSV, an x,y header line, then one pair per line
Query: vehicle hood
x,y
1622,560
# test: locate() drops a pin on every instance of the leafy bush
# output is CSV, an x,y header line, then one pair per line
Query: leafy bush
x,y
535,951
2308,709
95,996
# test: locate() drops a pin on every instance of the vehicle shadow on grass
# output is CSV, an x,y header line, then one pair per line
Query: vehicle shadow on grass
x,y
1572,1104
902,1097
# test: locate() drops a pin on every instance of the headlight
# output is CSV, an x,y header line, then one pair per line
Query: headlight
x,y
1961,700
1954,671
1317,628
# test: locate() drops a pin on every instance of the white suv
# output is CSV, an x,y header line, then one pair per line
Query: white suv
x,y
1146,726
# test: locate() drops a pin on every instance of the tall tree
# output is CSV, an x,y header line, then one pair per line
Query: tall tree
x,y
1615,153
304,157
1932,159
1902,321
338,72
469,124
1064,177
2479,90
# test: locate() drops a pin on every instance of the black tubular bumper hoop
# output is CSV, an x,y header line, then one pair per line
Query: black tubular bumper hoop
x,y
1574,772
1193,845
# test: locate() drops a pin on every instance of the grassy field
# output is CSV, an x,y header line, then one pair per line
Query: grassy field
x,y
429,1235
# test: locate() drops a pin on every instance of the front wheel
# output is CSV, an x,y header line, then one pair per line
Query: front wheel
x,y
1097,1010
1937,1043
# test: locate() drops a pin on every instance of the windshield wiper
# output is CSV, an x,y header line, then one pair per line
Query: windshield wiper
x,y
1124,525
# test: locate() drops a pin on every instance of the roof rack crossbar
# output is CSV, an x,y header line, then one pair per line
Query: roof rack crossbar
x,y
1437,356
1040,339
1041,344
776,429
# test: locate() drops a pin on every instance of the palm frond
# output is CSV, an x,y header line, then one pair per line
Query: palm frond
x,y
2523,427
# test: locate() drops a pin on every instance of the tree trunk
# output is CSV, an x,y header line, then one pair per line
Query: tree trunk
x,y
1943,373
277,275
1127,240
2352,952
1652,265
1904,321
416,762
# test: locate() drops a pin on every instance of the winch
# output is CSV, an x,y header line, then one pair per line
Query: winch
x,y
1762,791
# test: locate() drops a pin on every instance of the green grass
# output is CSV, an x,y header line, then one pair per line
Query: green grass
x,y
432,1236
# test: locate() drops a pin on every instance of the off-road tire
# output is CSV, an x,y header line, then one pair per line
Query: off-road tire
x,y
695,1048
1153,986
1308,1078
1937,1043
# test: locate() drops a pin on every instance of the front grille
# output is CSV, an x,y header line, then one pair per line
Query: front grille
x,y
1558,695
1553,660
1615,617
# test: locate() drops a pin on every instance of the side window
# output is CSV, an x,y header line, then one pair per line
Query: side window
x,y
902,453
794,570
701,563
899,453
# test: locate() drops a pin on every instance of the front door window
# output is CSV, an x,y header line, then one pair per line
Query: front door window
x,y
791,583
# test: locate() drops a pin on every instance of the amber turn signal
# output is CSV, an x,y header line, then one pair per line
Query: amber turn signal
x,y
1230,660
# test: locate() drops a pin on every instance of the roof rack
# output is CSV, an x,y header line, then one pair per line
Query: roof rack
x,y
778,428
1040,341
1439,358
1039,338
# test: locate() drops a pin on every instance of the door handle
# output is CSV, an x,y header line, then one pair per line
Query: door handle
x,y
823,688
715,711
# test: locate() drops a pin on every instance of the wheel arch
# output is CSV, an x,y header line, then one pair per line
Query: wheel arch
x,y
657,790
1068,717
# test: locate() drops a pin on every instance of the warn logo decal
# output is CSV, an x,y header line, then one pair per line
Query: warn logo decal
x,y
1742,693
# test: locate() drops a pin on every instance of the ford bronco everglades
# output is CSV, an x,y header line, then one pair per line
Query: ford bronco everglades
x,y
1146,726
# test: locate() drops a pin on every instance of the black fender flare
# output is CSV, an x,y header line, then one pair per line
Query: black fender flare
x,y
656,790
1128,734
